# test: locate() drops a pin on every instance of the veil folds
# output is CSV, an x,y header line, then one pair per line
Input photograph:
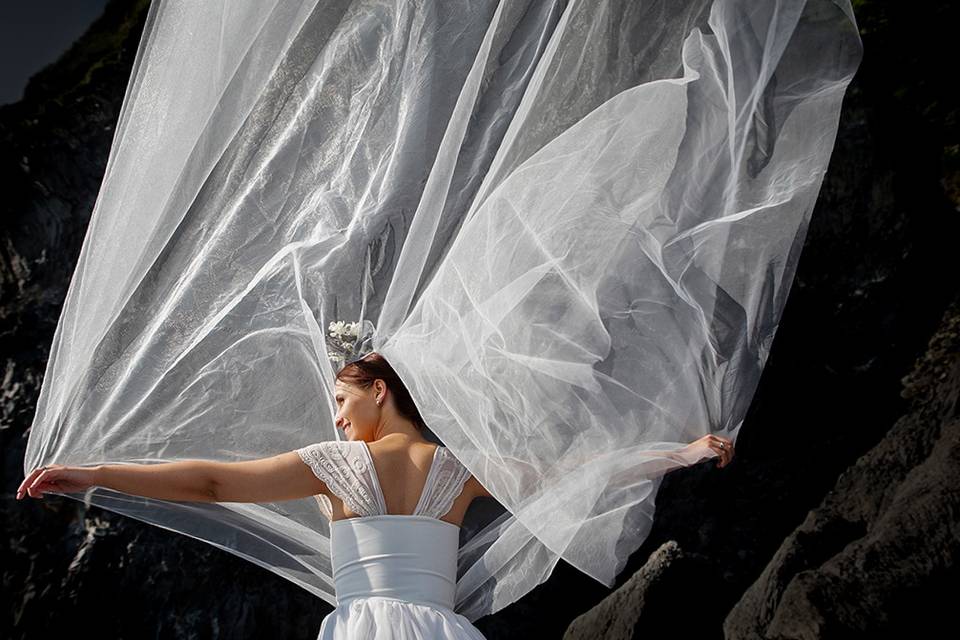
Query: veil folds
x,y
571,227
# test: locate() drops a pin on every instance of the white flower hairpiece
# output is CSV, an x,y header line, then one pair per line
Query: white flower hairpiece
x,y
346,340
340,329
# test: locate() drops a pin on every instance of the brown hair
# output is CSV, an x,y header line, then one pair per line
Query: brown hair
x,y
364,371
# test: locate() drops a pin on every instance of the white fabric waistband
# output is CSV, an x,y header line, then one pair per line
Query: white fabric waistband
x,y
408,558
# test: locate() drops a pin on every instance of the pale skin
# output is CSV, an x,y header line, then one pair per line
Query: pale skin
x,y
400,453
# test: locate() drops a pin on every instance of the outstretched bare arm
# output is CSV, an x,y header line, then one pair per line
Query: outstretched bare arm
x,y
272,479
281,477
183,481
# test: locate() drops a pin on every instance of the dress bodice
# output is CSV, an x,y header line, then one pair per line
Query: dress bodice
x,y
409,557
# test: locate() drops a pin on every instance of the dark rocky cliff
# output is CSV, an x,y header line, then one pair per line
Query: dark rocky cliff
x,y
837,519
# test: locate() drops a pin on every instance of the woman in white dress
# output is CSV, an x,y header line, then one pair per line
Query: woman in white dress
x,y
395,500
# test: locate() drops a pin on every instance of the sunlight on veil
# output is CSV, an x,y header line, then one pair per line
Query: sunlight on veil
x,y
571,227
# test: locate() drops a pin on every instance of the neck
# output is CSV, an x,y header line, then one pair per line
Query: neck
x,y
397,427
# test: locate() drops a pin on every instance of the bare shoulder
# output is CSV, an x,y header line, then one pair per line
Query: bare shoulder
x,y
387,447
395,452
396,456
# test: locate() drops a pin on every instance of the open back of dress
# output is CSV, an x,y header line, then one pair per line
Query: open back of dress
x,y
391,571
346,467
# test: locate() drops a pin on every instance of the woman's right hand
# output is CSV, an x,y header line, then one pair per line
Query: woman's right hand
x,y
56,477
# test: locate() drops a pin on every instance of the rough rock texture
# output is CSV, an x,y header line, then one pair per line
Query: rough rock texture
x,y
66,569
879,556
647,606
878,270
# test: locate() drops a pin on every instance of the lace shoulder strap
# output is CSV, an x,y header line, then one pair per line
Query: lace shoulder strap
x,y
345,468
445,483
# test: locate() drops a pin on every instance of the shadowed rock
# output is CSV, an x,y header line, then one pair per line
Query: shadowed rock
x,y
647,606
880,553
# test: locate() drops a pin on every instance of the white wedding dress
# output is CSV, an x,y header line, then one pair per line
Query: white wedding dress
x,y
395,575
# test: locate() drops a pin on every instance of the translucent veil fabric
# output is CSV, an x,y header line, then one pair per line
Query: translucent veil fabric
x,y
570,227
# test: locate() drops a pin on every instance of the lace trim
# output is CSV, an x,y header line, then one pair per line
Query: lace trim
x,y
446,485
342,467
347,470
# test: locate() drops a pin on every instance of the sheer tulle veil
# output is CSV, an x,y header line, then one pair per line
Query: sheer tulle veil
x,y
571,227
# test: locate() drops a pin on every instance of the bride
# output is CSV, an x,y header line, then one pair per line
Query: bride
x,y
395,501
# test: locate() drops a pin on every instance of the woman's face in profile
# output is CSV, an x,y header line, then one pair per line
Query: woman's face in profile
x,y
357,410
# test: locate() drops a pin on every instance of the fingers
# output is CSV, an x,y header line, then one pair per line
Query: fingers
x,y
25,485
725,452
40,483
32,484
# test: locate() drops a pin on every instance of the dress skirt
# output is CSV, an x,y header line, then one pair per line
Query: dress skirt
x,y
380,618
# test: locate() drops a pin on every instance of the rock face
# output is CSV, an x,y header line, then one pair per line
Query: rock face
x,y
66,568
871,552
648,606
879,556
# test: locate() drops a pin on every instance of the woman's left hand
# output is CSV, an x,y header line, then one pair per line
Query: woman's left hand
x,y
723,447
56,477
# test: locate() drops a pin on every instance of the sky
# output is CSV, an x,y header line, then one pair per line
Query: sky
x,y
33,33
